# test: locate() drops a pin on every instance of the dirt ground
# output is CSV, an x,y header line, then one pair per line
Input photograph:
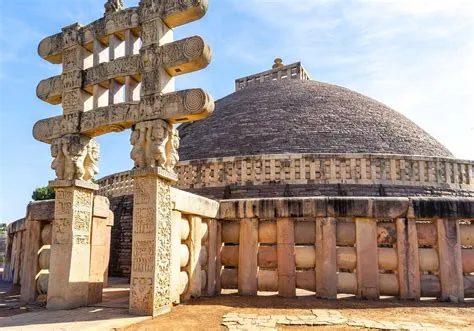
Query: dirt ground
x,y
206,313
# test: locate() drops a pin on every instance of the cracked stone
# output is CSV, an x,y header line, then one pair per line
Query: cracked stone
x,y
292,318
307,318
268,324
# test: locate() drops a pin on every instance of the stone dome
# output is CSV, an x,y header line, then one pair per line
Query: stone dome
x,y
303,116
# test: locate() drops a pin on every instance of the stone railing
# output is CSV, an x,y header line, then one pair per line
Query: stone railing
x,y
291,71
28,250
12,263
194,242
29,246
312,169
116,185
326,169
368,247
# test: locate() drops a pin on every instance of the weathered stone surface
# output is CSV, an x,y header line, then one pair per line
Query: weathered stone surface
x,y
150,287
174,14
363,207
299,116
193,204
178,58
70,250
173,107
113,6
326,258
75,157
299,175
441,207
248,257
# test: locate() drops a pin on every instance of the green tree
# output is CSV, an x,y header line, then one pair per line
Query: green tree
x,y
43,193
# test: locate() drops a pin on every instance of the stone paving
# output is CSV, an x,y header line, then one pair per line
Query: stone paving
x,y
112,314
319,317
82,319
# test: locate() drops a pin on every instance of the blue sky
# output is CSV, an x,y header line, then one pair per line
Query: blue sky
x,y
414,55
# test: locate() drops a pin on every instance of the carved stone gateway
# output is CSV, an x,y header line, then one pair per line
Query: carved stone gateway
x,y
118,73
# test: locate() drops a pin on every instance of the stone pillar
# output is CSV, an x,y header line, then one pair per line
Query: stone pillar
x,y
70,248
326,260
100,248
193,268
408,259
30,257
248,257
450,267
150,285
368,286
286,257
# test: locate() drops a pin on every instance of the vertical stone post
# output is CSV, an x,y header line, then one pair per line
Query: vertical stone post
x,y
218,258
30,258
286,257
367,259
408,259
326,264
150,285
100,248
175,255
212,263
108,242
193,267
70,249
450,267
248,257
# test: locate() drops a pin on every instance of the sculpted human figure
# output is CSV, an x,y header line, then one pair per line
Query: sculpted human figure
x,y
173,156
58,158
91,164
158,139
74,148
137,139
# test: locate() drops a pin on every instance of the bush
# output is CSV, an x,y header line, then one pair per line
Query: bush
x,y
43,193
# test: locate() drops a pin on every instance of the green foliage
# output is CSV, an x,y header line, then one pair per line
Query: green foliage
x,y
3,228
43,193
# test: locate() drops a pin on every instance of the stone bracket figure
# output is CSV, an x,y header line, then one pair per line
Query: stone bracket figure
x,y
172,150
155,146
75,157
